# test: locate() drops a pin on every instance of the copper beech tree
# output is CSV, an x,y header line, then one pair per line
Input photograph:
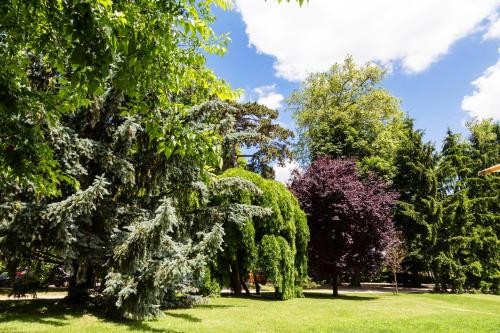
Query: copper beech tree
x,y
350,219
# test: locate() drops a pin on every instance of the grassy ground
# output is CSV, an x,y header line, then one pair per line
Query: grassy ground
x,y
315,313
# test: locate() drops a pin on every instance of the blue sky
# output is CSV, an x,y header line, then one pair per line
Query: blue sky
x,y
437,52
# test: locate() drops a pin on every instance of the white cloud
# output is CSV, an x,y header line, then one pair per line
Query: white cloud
x,y
243,98
282,174
485,100
493,31
412,34
267,95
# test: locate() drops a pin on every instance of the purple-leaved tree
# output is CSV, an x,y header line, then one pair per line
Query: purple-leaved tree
x,y
349,218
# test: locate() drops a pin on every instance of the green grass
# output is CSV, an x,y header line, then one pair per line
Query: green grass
x,y
315,313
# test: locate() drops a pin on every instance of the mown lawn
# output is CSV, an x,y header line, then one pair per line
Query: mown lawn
x,y
315,313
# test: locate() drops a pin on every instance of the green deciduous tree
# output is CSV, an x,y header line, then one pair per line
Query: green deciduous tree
x,y
345,112
273,242
57,57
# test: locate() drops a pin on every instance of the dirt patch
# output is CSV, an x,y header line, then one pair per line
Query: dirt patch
x,y
51,294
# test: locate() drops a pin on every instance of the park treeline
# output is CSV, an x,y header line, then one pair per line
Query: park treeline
x,y
125,159
448,215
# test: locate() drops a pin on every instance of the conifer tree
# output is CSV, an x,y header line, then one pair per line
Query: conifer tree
x,y
484,192
465,254
256,131
417,207
130,227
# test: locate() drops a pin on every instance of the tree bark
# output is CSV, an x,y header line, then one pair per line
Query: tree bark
x,y
257,288
395,282
89,277
355,280
12,269
73,280
335,284
244,285
235,279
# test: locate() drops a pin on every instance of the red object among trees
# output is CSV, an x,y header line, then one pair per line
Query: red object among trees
x,y
349,218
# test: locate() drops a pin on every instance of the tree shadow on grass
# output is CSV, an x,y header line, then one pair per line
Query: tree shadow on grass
x,y
184,316
341,297
48,312
137,325
58,313
217,306
264,296
270,296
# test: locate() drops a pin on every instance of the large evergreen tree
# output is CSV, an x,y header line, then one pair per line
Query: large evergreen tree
x,y
256,130
449,214
484,192
466,251
131,226
103,156
417,207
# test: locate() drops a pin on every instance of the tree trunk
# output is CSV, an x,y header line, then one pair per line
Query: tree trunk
x,y
244,285
102,281
12,269
415,279
356,280
444,287
335,284
73,280
395,282
257,288
235,278
89,277
234,157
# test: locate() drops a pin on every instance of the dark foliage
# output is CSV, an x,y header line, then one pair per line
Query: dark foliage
x,y
350,220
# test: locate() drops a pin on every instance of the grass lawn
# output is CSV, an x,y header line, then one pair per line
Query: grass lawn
x,y
315,313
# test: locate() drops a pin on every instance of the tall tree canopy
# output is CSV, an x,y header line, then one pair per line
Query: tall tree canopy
x,y
417,207
448,213
344,112
57,57
107,143
104,156
131,225
467,241
350,220
272,242
256,130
